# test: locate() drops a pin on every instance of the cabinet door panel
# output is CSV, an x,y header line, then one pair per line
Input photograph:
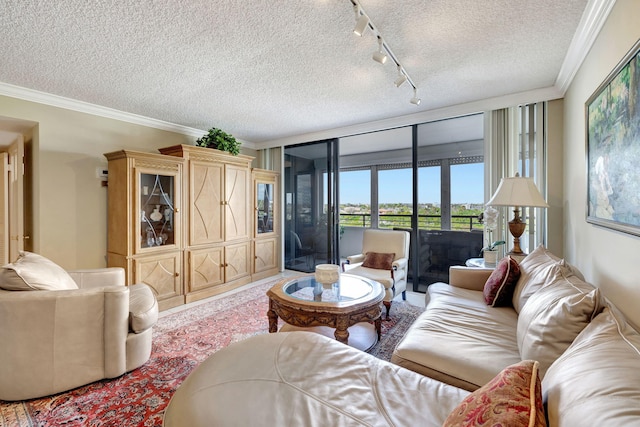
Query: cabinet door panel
x,y
206,208
237,194
237,261
161,272
205,268
265,255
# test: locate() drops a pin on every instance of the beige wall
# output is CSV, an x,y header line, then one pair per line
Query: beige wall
x,y
608,259
71,205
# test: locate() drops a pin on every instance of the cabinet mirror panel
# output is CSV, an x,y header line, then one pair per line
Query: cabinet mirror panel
x,y
264,207
157,208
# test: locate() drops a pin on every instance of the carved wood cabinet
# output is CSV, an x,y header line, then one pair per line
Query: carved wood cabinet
x,y
217,190
191,222
266,223
145,222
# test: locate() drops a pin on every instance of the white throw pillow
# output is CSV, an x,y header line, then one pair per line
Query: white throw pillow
x,y
554,316
34,272
535,272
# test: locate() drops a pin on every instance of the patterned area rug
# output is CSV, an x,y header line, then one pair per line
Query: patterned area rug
x,y
181,341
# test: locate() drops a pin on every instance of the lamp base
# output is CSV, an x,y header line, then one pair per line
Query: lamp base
x,y
516,228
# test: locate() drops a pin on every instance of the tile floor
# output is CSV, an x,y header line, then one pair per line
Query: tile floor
x,y
414,298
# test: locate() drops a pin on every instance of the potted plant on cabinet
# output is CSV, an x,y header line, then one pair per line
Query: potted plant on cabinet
x,y
220,140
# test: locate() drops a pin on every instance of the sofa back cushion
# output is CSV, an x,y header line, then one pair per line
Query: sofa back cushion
x,y
554,316
596,381
34,272
535,271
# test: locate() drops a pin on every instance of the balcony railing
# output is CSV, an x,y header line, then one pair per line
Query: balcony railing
x,y
425,222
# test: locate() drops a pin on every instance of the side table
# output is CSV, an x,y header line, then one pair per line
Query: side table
x,y
478,263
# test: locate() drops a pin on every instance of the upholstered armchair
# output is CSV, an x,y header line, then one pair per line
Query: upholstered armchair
x,y
51,341
385,259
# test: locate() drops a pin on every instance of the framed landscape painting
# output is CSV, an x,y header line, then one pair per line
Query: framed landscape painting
x,y
613,148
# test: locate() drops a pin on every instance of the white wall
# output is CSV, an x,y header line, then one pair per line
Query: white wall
x,y
71,205
608,259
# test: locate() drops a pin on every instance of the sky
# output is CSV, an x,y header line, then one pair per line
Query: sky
x,y
467,185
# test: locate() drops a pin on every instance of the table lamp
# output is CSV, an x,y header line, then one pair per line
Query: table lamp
x,y
517,191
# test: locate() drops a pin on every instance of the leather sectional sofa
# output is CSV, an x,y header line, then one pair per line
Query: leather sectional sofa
x,y
556,353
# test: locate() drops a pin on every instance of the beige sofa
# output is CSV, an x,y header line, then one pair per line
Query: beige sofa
x,y
92,327
589,354
588,358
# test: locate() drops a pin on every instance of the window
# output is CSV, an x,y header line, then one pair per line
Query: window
x,y
355,198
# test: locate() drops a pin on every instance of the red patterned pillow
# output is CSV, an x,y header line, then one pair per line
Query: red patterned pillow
x,y
512,398
379,261
498,289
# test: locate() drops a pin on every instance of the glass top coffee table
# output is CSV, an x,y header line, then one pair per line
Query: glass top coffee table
x,y
346,307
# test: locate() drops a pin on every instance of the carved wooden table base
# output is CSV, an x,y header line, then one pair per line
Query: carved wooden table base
x,y
339,315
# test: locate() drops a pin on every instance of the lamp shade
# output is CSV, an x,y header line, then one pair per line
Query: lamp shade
x,y
517,191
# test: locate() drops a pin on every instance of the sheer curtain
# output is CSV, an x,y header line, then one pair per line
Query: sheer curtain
x,y
515,142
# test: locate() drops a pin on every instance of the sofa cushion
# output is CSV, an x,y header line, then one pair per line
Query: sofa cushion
x,y
143,308
459,339
306,379
553,317
34,272
379,261
498,290
596,381
512,398
535,271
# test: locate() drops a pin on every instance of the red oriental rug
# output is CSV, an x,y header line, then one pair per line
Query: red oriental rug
x,y
180,342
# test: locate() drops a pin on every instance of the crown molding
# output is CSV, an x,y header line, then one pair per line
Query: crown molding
x,y
593,18
96,110
537,95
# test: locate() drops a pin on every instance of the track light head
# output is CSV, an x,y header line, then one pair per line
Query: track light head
x,y
362,21
401,77
379,55
415,100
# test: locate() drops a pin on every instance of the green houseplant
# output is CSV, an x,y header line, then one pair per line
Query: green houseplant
x,y
219,139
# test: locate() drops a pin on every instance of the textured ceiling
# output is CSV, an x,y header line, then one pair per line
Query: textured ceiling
x,y
268,70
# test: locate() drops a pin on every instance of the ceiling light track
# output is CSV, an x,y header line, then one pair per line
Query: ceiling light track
x,y
384,52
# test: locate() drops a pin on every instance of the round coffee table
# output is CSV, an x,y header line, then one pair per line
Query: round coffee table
x,y
347,306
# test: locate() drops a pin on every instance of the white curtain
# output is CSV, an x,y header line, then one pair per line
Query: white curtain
x,y
515,142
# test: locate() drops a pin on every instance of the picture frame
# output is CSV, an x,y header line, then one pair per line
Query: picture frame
x,y
613,148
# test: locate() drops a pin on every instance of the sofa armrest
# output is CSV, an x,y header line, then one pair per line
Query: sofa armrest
x,y
469,277
98,277
57,340
354,259
400,264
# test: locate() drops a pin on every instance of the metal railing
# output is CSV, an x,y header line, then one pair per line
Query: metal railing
x,y
425,222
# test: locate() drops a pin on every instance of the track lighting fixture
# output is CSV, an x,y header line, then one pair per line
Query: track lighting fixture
x,y
379,55
401,77
415,100
384,52
362,21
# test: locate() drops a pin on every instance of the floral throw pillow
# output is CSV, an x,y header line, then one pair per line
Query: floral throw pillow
x,y
512,398
498,289
379,261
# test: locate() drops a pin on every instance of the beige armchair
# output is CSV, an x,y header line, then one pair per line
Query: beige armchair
x,y
385,259
56,340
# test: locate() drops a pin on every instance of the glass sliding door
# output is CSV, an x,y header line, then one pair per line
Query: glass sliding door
x,y
310,186
450,196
